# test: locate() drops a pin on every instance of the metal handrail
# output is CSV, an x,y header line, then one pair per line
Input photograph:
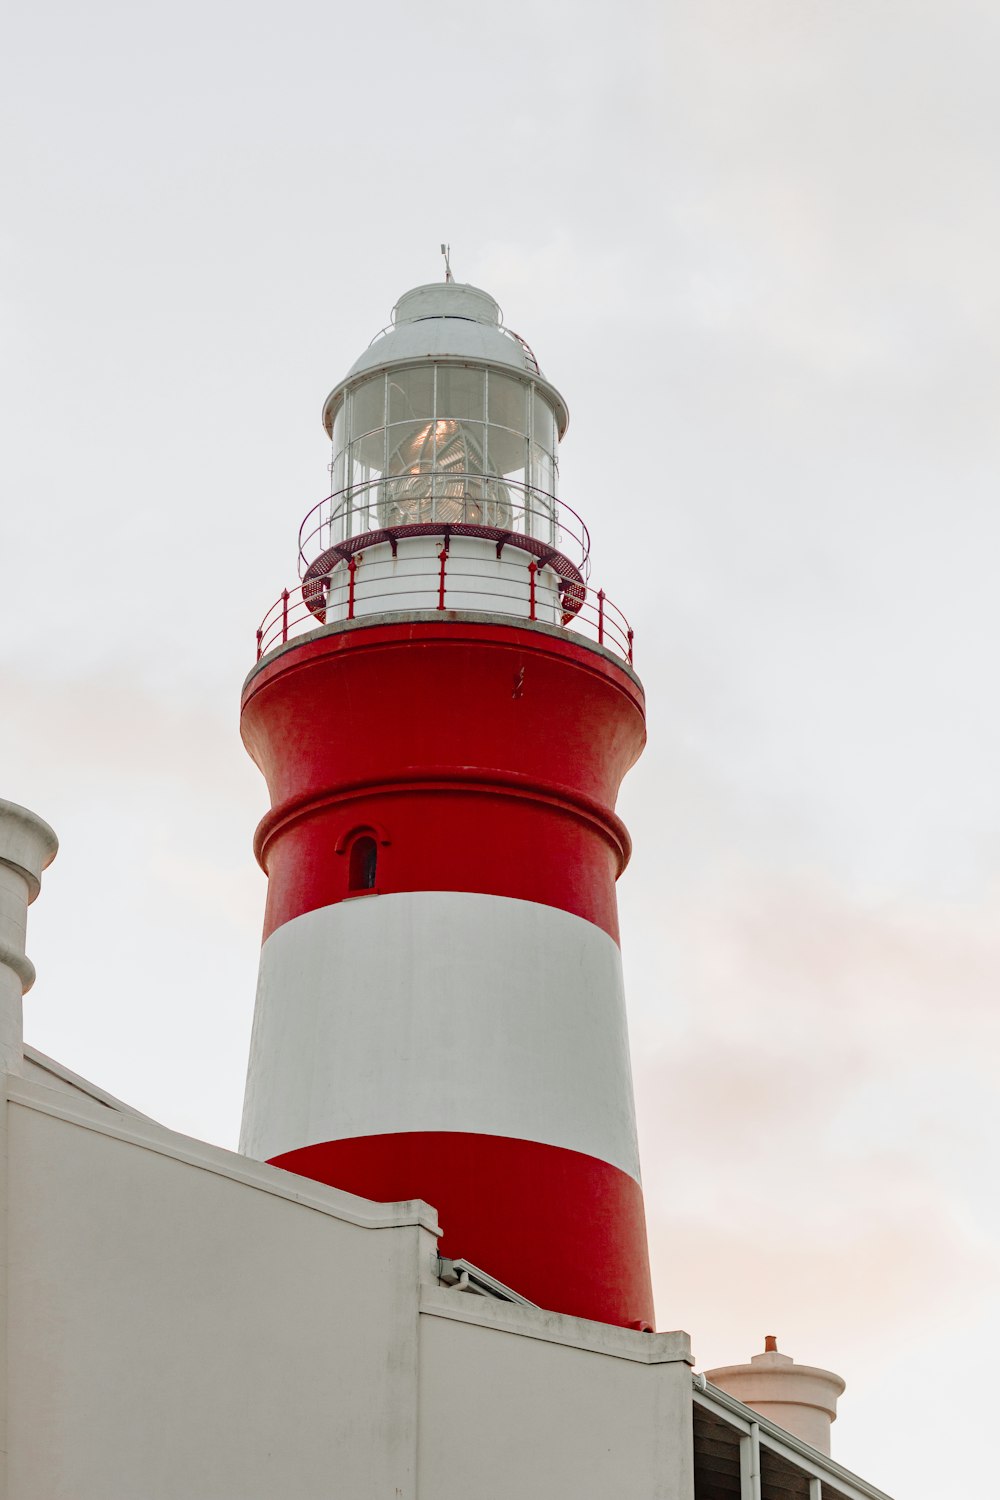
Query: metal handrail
x,y
594,615
534,512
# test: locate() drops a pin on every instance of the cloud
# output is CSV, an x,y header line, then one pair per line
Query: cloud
x,y
816,1108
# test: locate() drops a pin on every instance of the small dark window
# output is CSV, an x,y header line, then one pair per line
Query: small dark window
x,y
364,858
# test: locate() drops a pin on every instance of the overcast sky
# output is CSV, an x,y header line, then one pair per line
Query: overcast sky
x,y
756,245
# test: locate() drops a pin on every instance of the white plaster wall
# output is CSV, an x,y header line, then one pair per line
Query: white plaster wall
x,y
503,1415
186,1325
175,1334
475,579
441,1010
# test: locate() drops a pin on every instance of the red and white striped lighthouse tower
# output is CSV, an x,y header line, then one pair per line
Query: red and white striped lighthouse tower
x,y
444,710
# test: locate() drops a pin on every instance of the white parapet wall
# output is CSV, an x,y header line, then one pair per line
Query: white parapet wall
x,y
553,1408
474,579
27,846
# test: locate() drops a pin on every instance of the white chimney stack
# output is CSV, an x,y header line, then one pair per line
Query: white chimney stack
x,y
800,1398
27,846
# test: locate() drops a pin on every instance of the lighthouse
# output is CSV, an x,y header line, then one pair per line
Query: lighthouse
x,y
438,1098
443,709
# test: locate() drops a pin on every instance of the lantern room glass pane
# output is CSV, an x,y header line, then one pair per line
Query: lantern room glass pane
x,y
337,473
369,450
411,393
508,403
461,393
337,456
368,406
364,478
506,452
411,448
459,447
339,423
544,430
542,470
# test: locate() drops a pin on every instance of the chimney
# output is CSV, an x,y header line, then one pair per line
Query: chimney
x,y
27,846
800,1398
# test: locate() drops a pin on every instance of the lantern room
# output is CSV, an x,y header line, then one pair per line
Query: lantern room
x,y
445,419
444,483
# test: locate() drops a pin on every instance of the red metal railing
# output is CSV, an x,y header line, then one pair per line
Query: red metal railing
x,y
497,506
441,581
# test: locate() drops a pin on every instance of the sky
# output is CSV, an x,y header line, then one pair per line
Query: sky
x,y
755,244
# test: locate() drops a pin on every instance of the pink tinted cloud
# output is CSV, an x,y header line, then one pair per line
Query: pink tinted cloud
x,y
816,1109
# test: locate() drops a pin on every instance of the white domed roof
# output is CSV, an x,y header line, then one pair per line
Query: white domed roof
x,y
447,299
446,320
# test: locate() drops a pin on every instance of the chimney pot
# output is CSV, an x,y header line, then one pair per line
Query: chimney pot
x,y
800,1398
27,846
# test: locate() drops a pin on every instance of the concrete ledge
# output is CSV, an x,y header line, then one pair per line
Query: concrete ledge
x,y
557,1328
65,1081
148,1136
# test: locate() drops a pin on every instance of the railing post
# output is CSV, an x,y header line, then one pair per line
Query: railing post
x,y
260,637
631,638
284,616
532,570
324,584
442,558
352,567
600,617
